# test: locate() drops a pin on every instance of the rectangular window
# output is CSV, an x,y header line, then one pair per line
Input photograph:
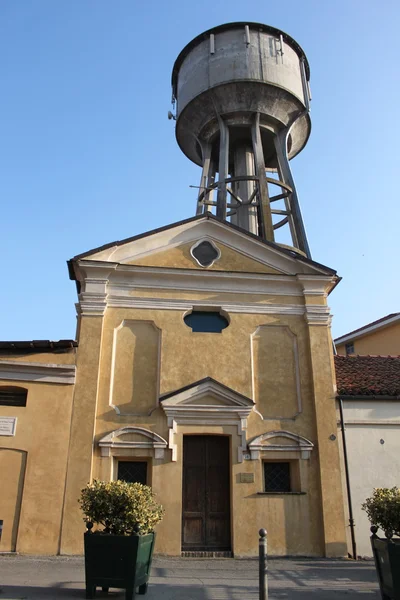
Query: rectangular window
x,y
132,471
13,396
277,477
349,348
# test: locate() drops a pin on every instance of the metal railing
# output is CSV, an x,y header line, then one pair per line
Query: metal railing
x,y
205,196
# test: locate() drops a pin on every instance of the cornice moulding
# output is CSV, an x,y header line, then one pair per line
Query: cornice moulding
x,y
318,315
37,372
92,304
184,305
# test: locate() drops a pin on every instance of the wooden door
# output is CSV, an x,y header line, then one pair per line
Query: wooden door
x,y
206,493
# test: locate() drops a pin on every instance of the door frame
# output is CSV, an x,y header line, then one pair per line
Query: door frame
x,y
230,488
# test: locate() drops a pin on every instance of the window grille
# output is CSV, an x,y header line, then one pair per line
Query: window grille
x,y
132,472
277,477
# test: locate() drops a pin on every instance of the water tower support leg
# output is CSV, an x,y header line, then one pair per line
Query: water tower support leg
x,y
223,169
246,214
205,178
265,208
284,168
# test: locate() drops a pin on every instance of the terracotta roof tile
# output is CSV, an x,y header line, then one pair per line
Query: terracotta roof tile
x,y
368,375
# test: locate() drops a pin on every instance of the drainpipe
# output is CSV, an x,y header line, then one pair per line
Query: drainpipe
x,y
346,470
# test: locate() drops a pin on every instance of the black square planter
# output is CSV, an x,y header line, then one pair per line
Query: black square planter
x,y
118,561
387,561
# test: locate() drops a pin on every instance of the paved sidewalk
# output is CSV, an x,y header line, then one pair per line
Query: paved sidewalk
x,y
63,578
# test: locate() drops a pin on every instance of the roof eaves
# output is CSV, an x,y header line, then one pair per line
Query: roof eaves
x,y
368,397
206,216
37,345
365,329
139,236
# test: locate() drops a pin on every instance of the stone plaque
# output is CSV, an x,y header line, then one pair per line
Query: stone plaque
x,y
246,477
8,425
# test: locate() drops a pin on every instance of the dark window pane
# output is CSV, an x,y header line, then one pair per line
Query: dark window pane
x,y
13,396
207,322
205,253
132,472
277,477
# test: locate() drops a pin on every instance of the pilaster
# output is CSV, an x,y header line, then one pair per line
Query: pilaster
x,y
79,466
334,537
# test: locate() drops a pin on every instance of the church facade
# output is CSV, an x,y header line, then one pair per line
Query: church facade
x,y
212,383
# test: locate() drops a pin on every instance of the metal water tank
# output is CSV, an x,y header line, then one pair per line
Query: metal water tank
x,y
242,107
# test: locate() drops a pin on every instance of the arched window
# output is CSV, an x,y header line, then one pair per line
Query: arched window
x,y
13,396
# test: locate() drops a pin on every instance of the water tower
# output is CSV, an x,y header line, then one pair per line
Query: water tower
x,y
242,112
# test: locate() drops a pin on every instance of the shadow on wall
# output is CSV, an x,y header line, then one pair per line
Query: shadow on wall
x,y
136,365
12,468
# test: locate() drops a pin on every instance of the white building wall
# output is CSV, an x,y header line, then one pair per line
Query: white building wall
x,y
373,447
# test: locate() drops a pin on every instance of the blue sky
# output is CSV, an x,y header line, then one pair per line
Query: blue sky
x,y
88,156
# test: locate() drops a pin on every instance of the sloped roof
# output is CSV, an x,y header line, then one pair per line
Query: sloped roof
x,y
368,375
203,217
364,329
37,345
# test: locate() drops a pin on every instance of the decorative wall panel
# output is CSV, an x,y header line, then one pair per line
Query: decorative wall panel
x,y
135,367
275,366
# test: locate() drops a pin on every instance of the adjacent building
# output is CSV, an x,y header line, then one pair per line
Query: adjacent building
x,y
379,337
368,385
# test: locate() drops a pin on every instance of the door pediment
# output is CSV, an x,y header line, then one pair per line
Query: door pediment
x,y
206,402
206,393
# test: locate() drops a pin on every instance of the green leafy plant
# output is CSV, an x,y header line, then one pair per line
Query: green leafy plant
x,y
121,508
383,509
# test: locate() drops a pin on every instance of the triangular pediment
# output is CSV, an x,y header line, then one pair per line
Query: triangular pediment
x,y
207,402
170,247
206,393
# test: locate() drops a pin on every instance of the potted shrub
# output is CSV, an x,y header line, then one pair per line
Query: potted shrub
x,y
118,552
383,510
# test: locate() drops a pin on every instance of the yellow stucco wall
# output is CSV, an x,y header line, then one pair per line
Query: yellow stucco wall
x,y
59,358
180,257
382,341
33,463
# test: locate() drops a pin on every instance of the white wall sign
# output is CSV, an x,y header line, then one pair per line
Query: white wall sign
x,y
8,425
